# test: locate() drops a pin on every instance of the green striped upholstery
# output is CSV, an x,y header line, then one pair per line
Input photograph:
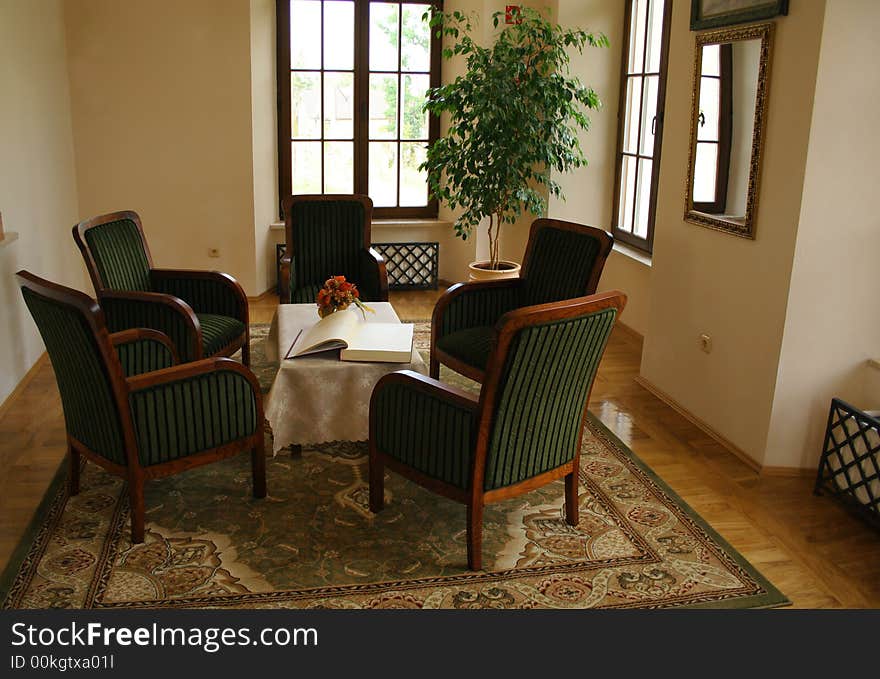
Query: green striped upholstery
x,y
184,417
478,306
119,255
426,432
328,240
472,345
143,356
543,392
90,411
218,332
123,314
204,295
559,266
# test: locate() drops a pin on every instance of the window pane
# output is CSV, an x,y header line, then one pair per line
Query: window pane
x,y
414,121
384,31
383,173
305,34
637,36
306,161
339,35
383,106
338,105
413,184
705,173
338,167
305,105
631,113
415,49
627,193
643,199
649,115
711,61
707,125
655,36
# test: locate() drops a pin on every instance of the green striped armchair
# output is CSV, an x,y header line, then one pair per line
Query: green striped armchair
x,y
523,431
205,313
329,235
135,424
563,260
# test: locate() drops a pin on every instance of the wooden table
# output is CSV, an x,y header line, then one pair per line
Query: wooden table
x,y
319,398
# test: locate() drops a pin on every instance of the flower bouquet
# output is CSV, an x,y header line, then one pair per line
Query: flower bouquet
x,y
337,295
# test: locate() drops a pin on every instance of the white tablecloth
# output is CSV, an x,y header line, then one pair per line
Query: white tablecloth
x,y
319,398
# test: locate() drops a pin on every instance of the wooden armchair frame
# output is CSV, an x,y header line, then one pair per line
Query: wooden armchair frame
x,y
369,255
175,306
133,471
484,410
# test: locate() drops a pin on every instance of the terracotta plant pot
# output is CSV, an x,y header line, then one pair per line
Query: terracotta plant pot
x,y
480,271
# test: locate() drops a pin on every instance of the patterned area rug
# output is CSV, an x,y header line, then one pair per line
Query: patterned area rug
x,y
313,542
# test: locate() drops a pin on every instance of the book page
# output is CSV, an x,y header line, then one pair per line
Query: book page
x,y
331,332
380,342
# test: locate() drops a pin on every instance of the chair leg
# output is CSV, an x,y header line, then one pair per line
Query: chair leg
x,y
571,498
475,535
246,351
136,499
73,471
258,467
435,367
377,483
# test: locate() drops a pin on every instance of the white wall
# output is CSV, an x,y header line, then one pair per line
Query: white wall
x,y
37,180
733,289
832,327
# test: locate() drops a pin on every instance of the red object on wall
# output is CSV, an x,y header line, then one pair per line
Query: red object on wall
x,y
512,15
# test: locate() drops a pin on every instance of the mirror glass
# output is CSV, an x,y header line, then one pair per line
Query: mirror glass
x,y
729,102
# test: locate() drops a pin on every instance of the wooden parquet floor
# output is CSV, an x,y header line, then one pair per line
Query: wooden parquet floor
x,y
814,551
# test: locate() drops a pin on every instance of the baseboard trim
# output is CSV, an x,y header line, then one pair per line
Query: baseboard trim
x,y
699,424
22,385
264,295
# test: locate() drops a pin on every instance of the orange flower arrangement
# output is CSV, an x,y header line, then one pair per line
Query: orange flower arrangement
x,y
337,295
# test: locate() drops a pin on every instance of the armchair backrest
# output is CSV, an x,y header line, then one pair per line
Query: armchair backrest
x,y
86,367
563,260
325,236
538,385
115,251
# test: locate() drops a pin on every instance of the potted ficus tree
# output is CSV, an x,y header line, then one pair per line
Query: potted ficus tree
x,y
513,117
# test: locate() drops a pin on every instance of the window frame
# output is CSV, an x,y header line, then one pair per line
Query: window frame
x,y
645,244
361,105
725,130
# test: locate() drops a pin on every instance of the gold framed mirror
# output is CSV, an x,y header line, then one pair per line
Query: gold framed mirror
x,y
729,109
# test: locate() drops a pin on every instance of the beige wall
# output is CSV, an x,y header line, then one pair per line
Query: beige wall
x,y
832,327
37,180
161,102
734,289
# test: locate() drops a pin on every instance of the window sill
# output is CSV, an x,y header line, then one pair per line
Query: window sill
x,y
635,254
390,223
7,238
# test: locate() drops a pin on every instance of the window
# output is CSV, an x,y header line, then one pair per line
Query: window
x,y
640,121
714,128
352,79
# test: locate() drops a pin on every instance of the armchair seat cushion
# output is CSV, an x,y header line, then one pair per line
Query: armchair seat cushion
x,y
472,345
218,332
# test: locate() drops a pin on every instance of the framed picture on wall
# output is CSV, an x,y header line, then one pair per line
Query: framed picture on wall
x,y
715,13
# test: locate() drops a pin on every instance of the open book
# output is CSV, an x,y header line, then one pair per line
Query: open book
x,y
359,340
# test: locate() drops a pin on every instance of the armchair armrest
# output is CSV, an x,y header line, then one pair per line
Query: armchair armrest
x,y
142,350
373,279
124,310
467,305
426,425
183,410
208,292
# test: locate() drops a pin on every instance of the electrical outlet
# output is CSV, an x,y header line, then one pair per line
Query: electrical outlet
x,y
706,343
213,252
